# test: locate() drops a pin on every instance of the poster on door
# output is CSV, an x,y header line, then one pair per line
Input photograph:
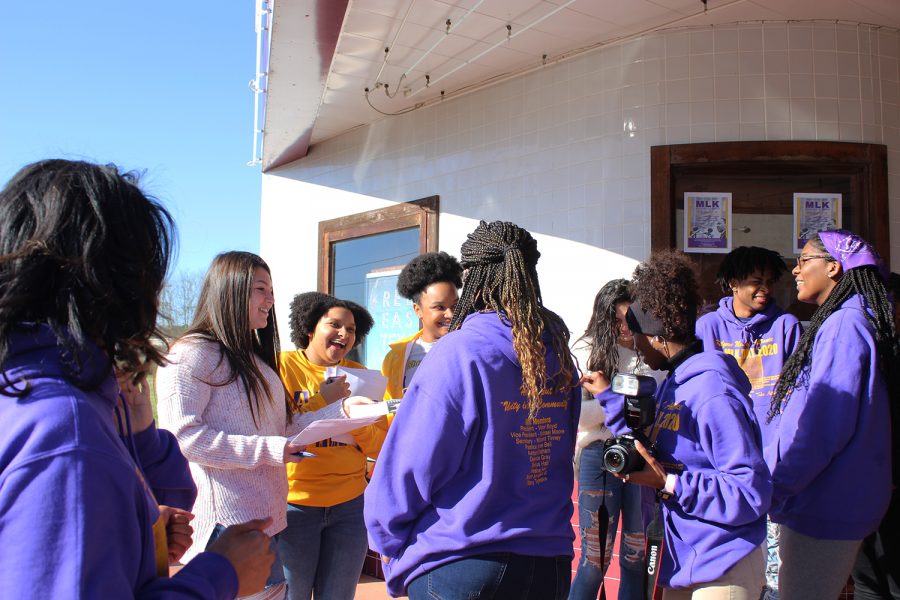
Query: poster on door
x,y
814,213
393,315
707,222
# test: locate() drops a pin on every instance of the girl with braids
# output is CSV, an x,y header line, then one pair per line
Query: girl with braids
x,y
472,494
708,470
602,497
220,394
832,460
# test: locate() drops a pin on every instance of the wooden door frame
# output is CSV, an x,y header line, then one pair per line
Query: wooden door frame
x,y
422,213
869,160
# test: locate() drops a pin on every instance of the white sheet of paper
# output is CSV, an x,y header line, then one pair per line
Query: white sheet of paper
x,y
363,382
330,428
379,409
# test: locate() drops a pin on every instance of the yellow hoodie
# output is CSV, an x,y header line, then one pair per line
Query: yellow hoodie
x,y
338,471
394,365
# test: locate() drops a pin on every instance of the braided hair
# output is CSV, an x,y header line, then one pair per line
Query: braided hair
x,y
867,282
602,332
501,260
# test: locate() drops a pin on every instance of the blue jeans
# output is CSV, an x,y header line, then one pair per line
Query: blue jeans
x,y
323,550
497,575
598,488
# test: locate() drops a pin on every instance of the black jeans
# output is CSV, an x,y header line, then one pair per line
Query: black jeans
x,y
497,576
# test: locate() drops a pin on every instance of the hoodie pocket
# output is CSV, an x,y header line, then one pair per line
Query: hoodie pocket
x,y
681,555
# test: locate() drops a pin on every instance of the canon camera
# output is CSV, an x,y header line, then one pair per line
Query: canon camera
x,y
619,453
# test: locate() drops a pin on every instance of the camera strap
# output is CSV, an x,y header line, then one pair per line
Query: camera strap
x,y
602,534
653,552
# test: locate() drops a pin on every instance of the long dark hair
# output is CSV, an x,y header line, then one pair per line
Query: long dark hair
x,y
501,262
602,332
84,251
867,282
223,316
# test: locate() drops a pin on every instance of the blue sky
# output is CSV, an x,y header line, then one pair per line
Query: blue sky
x,y
158,86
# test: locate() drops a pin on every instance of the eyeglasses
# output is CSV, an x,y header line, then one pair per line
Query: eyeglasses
x,y
802,259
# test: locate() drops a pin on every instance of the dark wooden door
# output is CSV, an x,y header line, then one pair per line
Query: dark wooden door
x,y
762,178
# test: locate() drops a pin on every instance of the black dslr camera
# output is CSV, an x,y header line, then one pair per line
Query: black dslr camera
x,y
619,453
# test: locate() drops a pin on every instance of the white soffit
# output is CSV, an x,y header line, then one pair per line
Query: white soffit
x,y
478,49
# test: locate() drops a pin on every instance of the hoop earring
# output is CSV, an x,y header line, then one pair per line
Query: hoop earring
x,y
661,340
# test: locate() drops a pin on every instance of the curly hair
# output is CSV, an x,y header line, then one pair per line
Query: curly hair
x,y
307,308
743,261
603,329
501,263
223,316
85,252
427,269
666,285
868,283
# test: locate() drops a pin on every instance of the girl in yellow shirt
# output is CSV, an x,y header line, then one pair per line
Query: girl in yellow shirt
x,y
324,545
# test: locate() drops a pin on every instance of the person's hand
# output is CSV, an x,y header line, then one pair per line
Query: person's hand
x,y
136,392
249,550
652,475
334,389
293,454
355,401
178,531
595,382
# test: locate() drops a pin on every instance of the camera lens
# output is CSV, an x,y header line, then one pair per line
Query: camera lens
x,y
614,460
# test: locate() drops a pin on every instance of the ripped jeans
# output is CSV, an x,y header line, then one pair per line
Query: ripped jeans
x,y
598,488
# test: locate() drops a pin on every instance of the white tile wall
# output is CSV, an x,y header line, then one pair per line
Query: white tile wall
x,y
552,150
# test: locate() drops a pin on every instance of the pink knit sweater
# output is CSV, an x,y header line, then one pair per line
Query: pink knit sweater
x,y
238,466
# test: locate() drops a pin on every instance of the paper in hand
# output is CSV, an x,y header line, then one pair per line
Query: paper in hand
x,y
331,428
368,383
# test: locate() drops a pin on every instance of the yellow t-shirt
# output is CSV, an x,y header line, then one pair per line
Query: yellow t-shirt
x,y
338,471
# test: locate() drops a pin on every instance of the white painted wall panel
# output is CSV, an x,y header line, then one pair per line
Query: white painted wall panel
x,y
564,151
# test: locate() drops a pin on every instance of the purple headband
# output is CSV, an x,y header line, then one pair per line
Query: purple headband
x,y
849,249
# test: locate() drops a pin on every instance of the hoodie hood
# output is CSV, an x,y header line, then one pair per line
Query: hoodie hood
x,y
402,342
492,325
752,329
706,363
34,352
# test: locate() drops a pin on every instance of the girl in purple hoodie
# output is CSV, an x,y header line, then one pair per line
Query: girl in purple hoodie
x,y
83,257
752,328
708,470
832,456
472,495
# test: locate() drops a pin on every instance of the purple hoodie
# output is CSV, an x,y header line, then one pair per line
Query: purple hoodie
x,y
761,346
832,458
76,512
461,472
706,434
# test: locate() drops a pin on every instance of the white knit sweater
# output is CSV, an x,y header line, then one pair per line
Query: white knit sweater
x,y
238,465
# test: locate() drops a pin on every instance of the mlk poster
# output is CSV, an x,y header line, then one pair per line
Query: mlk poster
x,y
707,222
814,213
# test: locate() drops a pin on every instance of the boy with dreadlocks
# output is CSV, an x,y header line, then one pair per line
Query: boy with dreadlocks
x,y
430,281
760,335
832,463
473,488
